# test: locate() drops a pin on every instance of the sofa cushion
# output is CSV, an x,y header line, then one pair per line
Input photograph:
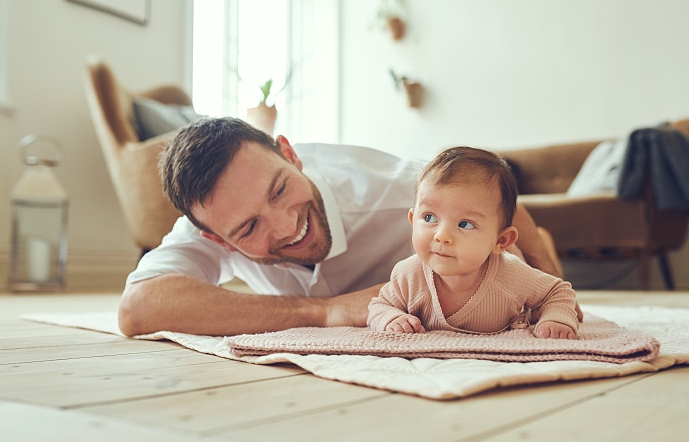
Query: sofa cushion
x,y
154,118
575,222
601,171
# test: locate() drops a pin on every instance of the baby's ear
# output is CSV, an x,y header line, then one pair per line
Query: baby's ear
x,y
506,238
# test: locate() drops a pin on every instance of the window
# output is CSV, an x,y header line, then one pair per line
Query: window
x,y
238,46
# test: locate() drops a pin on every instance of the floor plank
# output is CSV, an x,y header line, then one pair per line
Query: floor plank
x,y
45,353
15,305
49,336
31,423
254,404
658,404
90,380
405,418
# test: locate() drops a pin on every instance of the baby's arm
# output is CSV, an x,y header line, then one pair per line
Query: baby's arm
x,y
388,312
553,330
405,324
556,310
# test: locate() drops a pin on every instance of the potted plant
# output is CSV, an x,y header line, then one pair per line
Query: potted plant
x,y
389,16
413,89
263,116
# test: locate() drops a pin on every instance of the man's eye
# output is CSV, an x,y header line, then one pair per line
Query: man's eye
x,y
429,218
466,225
249,230
280,190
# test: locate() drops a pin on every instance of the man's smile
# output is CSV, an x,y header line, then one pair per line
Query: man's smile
x,y
302,238
302,233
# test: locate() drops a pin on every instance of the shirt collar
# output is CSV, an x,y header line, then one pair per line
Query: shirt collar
x,y
332,212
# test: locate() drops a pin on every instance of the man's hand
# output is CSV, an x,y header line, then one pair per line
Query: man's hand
x,y
405,324
350,309
553,330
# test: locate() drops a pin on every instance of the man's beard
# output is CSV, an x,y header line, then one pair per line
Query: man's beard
x,y
319,249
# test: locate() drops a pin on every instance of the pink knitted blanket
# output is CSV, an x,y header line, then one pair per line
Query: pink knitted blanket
x,y
598,340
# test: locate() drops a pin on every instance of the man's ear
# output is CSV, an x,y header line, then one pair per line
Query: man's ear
x,y
288,152
507,237
218,240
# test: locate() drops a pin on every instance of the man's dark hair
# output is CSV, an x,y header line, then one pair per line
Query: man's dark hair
x,y
192,163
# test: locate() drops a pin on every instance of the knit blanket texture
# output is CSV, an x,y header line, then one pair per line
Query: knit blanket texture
x,y
598,340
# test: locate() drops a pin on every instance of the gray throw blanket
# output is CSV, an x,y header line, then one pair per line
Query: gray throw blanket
x,y
664,153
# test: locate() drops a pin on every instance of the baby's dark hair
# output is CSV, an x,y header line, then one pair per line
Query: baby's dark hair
x,y
468,165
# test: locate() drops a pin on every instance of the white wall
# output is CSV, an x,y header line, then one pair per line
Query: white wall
x,y
49,41
514,73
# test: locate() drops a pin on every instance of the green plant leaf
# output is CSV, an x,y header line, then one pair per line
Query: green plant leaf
x,y
265,89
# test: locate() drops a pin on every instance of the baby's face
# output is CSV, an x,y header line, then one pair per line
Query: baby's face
x,y
456,226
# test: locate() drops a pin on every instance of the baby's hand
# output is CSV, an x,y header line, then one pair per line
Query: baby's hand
x,y
553,330
405,324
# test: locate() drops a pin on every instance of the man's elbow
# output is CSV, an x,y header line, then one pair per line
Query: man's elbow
x,y
128,314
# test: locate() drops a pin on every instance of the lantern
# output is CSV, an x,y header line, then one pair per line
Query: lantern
x,y
39,220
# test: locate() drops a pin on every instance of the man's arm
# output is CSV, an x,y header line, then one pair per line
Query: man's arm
x,y
183,304
537,253
532,244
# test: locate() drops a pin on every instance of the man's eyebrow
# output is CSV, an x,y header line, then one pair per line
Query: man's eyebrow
x,y
271,189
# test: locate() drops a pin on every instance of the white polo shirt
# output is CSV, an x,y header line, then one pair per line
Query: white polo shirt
x,y
367,195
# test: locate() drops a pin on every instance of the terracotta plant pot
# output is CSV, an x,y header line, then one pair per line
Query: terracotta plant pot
x,y
397,27
262,117
414,92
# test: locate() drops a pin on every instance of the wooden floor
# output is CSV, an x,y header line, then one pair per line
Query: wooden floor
x,y
62,384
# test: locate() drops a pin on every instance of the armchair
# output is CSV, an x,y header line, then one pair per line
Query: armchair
x,y
131,162
601,226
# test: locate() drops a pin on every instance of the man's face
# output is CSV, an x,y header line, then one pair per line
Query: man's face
x,y
264,207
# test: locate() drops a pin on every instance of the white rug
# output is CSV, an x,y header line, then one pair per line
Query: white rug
x,y
444,376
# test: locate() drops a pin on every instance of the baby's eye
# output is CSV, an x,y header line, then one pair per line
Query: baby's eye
x,y
466,225
429,218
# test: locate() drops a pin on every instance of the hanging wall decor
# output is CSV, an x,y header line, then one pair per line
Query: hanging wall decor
x,y
389,16
413,89
137,11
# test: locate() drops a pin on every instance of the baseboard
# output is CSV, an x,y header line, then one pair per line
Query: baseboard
x,y
87,270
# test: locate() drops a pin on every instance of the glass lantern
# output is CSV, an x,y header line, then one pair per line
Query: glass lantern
x,y
39,220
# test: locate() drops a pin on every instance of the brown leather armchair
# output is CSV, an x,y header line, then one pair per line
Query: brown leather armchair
x,y
132,163
598,227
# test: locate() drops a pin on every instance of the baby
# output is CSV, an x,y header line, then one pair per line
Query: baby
x,y
461,278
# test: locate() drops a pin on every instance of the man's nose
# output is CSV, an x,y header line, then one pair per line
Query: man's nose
x,y
284,222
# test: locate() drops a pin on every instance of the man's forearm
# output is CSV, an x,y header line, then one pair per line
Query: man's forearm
x,y
183,304
532,245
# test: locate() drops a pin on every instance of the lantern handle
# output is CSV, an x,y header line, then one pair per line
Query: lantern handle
x,y
33,160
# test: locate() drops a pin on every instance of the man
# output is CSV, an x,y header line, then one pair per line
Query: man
x,y
314,234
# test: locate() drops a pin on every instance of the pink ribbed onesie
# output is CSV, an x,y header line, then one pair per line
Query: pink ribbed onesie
x,y
509,286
